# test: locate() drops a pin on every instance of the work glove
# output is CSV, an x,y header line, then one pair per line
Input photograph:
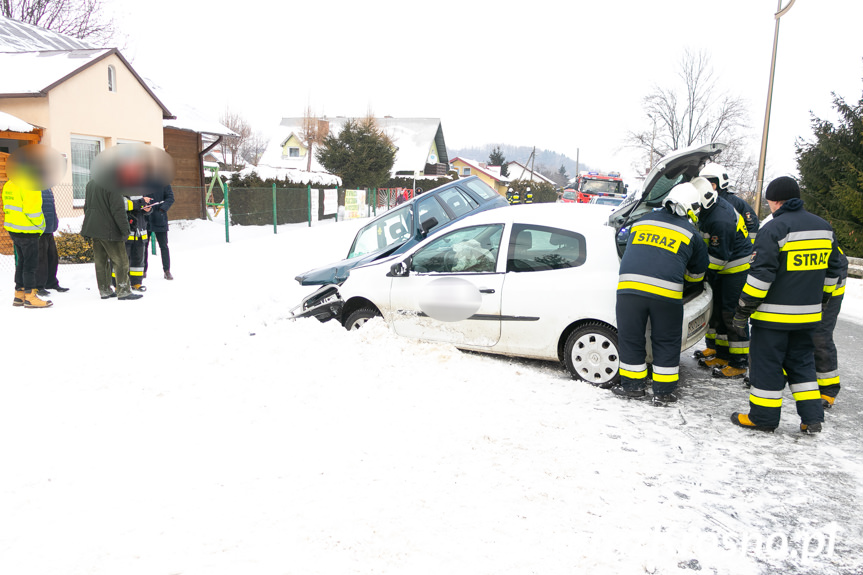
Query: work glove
x,y
739,324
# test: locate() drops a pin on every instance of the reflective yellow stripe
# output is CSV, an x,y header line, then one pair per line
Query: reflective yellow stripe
x,y
739,350
665,378
829,381
736,269
754,292
804,395
787,318
650,289
764,402
807,245
839,291
722,342
633,374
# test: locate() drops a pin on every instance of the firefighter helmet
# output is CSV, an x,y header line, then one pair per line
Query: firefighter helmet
x,y
682,199
718,173
706,192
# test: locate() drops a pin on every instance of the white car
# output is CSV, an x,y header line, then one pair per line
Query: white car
x,y
535,281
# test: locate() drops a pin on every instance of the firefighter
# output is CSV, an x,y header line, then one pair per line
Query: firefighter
x,y
730,250
718,177
136,243
528,196
664,251
826,359
795,257
512,196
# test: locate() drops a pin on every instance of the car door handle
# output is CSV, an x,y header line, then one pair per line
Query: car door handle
x,y
486,290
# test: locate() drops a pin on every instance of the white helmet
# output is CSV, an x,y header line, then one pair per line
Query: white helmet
x,y
684,200
716,172
706,192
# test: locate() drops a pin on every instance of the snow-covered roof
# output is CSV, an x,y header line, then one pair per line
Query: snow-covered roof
x,y
19,37
9,123
35,73
493,171
519,172
413,137
293,175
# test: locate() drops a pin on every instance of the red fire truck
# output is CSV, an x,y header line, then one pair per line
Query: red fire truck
x,y
590,184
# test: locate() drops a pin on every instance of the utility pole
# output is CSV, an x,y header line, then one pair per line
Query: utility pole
x,y
759,184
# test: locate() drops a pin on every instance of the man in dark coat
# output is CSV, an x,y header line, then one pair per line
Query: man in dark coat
x,y
46,269
163,197
105,222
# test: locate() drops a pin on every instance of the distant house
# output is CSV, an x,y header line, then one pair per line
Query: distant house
x,y
518,171
488,174
420,142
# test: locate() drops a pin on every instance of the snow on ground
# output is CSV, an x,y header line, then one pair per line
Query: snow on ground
x,y
199,431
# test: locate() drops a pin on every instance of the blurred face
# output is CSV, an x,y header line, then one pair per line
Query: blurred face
x,y
774,205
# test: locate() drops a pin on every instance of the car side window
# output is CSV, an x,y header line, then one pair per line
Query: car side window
x,y
473,249
431,208
459,202
541,248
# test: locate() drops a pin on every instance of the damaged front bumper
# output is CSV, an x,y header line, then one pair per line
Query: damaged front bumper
x,y
323,304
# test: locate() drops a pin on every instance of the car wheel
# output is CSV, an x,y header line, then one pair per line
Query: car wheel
x,y
358,318
591,354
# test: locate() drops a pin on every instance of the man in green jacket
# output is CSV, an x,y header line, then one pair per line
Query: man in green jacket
x,y
105,222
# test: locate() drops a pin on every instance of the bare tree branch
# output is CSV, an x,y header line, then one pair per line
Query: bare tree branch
x,y
82,19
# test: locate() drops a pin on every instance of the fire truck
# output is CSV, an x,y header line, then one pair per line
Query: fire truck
x,y
590,184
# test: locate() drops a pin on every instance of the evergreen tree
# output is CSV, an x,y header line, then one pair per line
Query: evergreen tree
x,y
496,158
562,177
831,174
362,155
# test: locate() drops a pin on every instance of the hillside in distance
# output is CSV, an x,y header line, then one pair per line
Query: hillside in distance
x,y
546,161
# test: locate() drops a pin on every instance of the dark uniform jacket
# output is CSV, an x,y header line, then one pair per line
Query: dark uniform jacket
x,y
725,234
794,254
663,252
750,218
49,210
158,216
104,214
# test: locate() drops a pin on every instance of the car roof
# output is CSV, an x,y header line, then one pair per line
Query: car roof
x,y
564,216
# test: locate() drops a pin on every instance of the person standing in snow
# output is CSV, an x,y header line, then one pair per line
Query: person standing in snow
x,y
157,224
105,222
25,223
46,270
729,250
664,251
796,256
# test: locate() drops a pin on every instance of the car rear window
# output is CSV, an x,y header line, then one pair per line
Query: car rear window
x,y
480,189
459,202
540,248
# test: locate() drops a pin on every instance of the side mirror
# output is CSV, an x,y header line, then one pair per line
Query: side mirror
x,y
400,269
428,224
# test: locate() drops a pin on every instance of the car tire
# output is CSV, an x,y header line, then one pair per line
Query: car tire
x,y
359,317
591,354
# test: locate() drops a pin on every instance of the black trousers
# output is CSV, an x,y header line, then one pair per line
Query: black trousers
x,y
26,259
162,239
826,358
726,293
666,319
46,271
773,350
136,250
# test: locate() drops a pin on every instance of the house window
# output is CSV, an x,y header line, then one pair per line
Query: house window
x,y
112,79
293,152
84,151
465,171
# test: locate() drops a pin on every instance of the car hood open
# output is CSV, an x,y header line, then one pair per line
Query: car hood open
x,y
678,166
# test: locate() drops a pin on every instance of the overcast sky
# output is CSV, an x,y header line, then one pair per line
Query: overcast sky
x,y
560,76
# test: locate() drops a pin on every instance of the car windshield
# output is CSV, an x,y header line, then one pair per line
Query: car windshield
x,y
391,230
601,187
606,201
568,195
